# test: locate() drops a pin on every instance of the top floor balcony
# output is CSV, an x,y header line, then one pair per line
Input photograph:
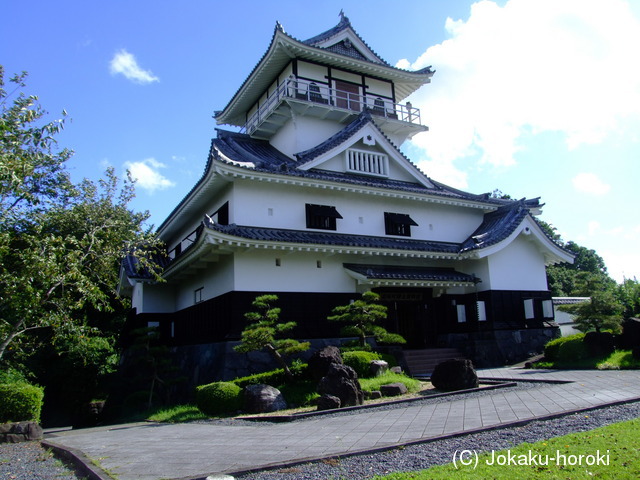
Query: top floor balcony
x,y
321,101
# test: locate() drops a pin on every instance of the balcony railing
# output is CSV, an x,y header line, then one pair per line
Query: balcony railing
x,y
320,94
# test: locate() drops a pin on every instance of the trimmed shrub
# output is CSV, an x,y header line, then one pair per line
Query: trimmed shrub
x,y
20,402
566,349
218,398
360,361
275,378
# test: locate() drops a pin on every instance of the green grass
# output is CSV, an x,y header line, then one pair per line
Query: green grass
x,y
177,414
620,440
374,383
618,360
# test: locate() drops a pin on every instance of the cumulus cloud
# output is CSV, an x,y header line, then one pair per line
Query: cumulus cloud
x,y
126,64
590,183
529,67
147,175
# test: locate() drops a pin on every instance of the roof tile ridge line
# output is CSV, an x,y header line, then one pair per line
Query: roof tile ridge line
x,y
358,124
233,145
344,24
277,28
205,174
482,197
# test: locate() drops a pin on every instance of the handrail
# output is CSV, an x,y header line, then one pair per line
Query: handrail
x,y
312,92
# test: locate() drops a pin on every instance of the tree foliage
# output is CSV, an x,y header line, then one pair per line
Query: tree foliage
x,y
602,311
61,244
264,332
362,317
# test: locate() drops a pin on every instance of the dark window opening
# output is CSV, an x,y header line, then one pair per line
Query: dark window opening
x,y
398,224
221,215
322,217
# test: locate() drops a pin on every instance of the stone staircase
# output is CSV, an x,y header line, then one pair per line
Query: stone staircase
x,y
420,363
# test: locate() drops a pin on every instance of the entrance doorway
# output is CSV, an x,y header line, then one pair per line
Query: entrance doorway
x,y
409,315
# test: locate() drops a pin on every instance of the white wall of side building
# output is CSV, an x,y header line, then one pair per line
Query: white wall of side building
x,y
519,266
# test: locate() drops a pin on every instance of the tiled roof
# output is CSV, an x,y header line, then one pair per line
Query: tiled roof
x,y
242,148
135,271
496,226
344,24
388,272
335,239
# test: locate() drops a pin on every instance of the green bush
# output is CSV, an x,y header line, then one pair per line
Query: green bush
x,y
566,349
360,361
274,377
218,398
20,402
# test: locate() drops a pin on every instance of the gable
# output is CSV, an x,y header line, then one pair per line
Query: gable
x,y
362,149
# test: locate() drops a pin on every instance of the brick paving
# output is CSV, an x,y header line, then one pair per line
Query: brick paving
x,y
188,451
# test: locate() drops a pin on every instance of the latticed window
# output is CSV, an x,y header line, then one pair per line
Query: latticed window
x,y
368,163
398,224
322,217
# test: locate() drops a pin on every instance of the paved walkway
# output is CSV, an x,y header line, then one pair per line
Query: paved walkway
x,y
187,451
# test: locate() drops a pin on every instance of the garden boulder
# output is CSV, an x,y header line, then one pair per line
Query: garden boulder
x,y
342,381
263,399
321,360
454,374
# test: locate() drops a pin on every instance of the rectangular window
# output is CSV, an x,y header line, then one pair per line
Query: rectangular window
x,y
528,309
398,224
322,217
197,295
221,215
482,311
462,313
547,308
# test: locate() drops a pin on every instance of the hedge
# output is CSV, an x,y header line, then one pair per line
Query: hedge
x,y
218,398
20,402
566,349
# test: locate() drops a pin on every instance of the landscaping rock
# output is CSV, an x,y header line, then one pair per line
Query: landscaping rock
x,y
342,381
393,389
262,399
373,395
397,370
20,432
454,374
321,360
378,367
328,402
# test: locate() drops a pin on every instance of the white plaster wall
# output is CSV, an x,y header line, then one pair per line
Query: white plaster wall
x,y
153,298
217,279
479,268
377,87
519,266
298,272
302,133
278,206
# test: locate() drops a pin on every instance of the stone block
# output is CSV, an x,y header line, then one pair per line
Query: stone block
x,y
393,389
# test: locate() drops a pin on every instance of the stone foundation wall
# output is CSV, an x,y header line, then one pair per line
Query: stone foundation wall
x,y
500,347
20,432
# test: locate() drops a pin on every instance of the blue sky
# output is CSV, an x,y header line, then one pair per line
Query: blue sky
x,y
532,97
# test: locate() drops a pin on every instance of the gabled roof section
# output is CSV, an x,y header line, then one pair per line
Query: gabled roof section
x,y
344,40
411,273
362,128
502,226
283,48
259,156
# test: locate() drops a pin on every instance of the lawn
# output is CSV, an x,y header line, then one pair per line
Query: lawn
x,y
606,452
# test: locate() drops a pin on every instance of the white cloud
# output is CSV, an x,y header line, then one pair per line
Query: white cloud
x,y
590,183
126,64
529,67
593,227
147,176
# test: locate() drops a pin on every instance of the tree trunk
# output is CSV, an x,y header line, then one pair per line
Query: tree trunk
x,y
280,360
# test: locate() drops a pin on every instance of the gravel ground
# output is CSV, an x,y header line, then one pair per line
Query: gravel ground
x,y
28,461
